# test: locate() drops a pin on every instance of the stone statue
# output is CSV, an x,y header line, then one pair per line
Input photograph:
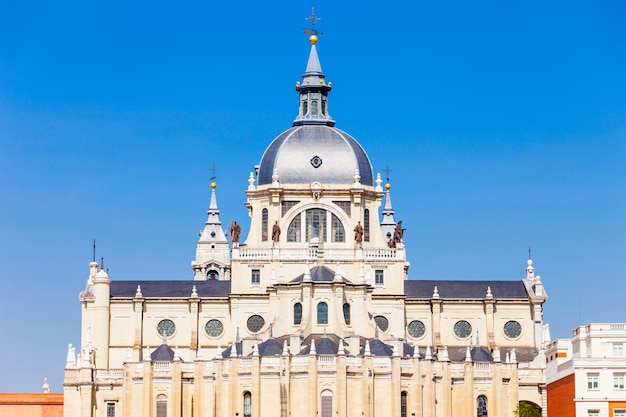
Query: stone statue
x,y
398,233
358,234
276,232
235,231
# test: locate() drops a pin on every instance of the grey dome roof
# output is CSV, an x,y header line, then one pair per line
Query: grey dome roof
x,y
292,152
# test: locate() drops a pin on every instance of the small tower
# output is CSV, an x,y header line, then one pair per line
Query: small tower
x,y
388,224
212,252
313,91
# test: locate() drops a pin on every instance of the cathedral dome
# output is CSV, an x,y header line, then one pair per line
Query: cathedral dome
x,y
315,152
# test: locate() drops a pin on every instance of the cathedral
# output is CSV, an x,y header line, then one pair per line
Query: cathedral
x,y
313,312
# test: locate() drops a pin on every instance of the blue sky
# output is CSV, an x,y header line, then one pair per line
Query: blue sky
x,y
504,125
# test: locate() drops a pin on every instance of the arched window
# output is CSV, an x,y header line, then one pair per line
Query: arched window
x,y
264,220
297,313
403,404
314,108
322,313
346,313
327,403
315,224
294,232
481,406
305,107
337,232
213,275
161,406
247,404
366,225
323,107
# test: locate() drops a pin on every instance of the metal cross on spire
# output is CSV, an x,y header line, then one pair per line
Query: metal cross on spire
x,y
313,19
387,170
213,169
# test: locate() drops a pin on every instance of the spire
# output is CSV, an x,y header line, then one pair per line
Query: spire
x,y
313,108
212,246
387,224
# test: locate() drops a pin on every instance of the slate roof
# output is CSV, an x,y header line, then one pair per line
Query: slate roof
x,y
480,354
320,273
324,344
163,353
378,348
465,290
270,347
238,348
483,354
127,289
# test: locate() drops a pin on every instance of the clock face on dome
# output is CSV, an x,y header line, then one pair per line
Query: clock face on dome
x,y
166,328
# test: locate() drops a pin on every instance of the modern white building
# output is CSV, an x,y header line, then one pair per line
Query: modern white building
x,y
313,313
586,374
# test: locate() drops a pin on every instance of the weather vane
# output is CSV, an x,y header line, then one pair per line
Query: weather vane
x,y
213,169
313,19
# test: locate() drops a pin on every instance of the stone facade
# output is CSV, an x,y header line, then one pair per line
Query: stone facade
x,y
313,313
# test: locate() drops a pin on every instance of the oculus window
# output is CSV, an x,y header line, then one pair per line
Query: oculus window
x,y
416,329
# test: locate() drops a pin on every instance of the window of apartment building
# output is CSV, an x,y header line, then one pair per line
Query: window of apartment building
x,y
592,380
255,277
110,409
247,404
379,277
593,413
618,350
161,406
618,380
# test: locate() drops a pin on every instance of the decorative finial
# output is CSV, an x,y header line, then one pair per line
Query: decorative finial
x,y
312,31
94,251
213,177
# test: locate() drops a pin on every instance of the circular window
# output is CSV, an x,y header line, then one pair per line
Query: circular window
x,y
382,323
213,328
255,323
462,329
512,329
416,328
166,327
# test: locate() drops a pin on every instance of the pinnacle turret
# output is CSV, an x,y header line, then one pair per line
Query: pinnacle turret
x,y
313,92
